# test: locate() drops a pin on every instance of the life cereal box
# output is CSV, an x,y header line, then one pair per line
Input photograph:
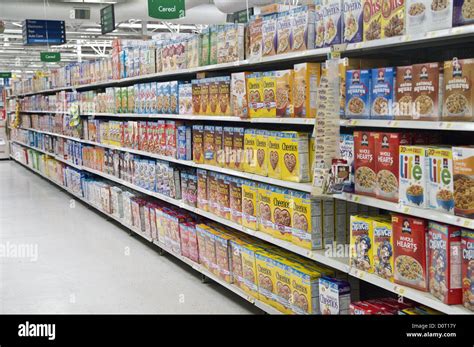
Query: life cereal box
x,y
249,204
361,243
372,20
358,93
332,18
410,251
463,167
352,21
413,176
307,221
302,23
250,151
393,18
334,296
444,262
383,247
365,177
281,211
383,86
295,155
261,146
274,161
264,208
467,268
440,183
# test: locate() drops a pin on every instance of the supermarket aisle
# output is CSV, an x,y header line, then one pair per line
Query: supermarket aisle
x,y
75,261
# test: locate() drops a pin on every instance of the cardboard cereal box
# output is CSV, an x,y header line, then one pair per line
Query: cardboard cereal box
x,y
223,196
268,85
361,243
235,199
250,151
463,170
202,201
383,247
284,32
302,23
264,208
249,204
205,96
262,154
266,272
249,269
219,145
282,282
212,192
403,104
223,256
238,98
269,35
238,148
427,91
255,97
213,96
365,163
352,25
467,268
346,152
198,144
306,82
306,221
236,261
334,296
413,176
228,143
463,12
282,212
224,108
444,262
305,289
284,93
209,143
274,161
410,251
372,20
332,19
255,40
383,86
196,96
440,182
295,154
458,90
358,93
318,27
393,18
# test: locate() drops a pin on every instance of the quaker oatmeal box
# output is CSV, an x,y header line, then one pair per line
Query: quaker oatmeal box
x,y
467,268
458,90
269,35
463,12
358,93
365,176
383,86
427,91
256,40
413,176
393,18
284,90
361,243
440,179
332,18
302,23
352,21
463,169
318,27
295,156
410,251
402,107
444,262
383,247
249,204
372,20
274,160
238,89
284,34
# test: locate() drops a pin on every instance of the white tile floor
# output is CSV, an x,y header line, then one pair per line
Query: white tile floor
x,y
86,264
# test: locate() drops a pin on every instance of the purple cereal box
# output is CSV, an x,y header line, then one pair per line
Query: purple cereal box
x,y
463,12
352,21
332,19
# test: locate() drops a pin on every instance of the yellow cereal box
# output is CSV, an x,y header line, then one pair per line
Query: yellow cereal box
x,y
393,18
236,261
223,256
312,151
307,221
269,92
305,289
255,99
361,243
281,213
250,150
266,269
249,269
249,205
261,146
383,247
284,93
282,282
372,18
264,209
295,156
274,154
305,84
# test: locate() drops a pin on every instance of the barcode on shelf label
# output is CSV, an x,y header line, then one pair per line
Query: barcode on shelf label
x,y
406,209
399,290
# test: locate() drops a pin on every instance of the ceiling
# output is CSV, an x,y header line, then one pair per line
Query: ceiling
x,y
84,39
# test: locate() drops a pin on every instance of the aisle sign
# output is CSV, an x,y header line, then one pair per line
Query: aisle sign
x,y
5,75
107,19
240,16
166,9
50,57
42,32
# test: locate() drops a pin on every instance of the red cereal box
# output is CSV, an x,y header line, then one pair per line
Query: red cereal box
x,y
467,266
364,163
363,308
143,141
387,163
410,251
445,262
161,129
184,237
170,134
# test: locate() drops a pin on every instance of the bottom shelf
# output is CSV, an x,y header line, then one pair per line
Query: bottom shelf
x,y
261,305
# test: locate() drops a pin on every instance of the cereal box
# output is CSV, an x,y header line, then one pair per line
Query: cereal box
x,y
281,212
303,21
306,82
410,251
255,33
196,91
427,86
223,256
223,196
249,204
332,18
264,208
284,93
458,90
334,296
238,89
372,20
219,145
213,45
250,151
198,144
306,221
352,21
445,262
235,199
318,27
463,170
440,15
229,153
402,107
212,192
235,42
282,282
274,165
440,182
383,247
236,261
202,202
413,176
467,268
383,86
305,288
213,95
284,34
265,276
249,269
269,35
346,152
204,87
393,18
358,93
295,155
209,143
205,47
463,12
238,148
261,145
365,176
221,44
224,96
268,86
255,100
361,243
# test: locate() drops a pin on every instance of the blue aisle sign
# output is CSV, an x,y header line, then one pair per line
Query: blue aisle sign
x,y
43,32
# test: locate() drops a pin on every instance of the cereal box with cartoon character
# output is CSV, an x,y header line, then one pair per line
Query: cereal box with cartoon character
x,y
467,268
440,182
413,176
383,247
361,243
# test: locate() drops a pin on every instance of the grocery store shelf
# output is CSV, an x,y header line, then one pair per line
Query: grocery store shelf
x,y
440,36
408,124
197,267
408,210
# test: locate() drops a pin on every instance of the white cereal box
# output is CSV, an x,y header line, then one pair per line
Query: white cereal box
x,y
334,296
440,179
413,176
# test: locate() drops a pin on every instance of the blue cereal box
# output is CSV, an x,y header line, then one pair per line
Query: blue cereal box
x,y
174,90
352,21
383,86
184,142
358,89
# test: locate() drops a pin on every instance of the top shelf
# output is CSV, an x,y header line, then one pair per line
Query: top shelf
x,y
431,37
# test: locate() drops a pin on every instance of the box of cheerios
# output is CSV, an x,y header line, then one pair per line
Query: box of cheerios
x,y
249,204
282,282
361,243
307,221
261,146
250,151
440,183
305,289
264,209
265,278
281,213
295,156
274,161
249,269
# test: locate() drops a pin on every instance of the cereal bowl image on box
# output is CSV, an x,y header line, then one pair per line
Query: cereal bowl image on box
x,y
414,194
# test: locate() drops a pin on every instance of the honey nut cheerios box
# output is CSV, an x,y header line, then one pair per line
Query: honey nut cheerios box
x,y
307,221
274,160
467,268
413,176
249,205
250,151
440,182
264,208
383,247
305,85
295,156
261,146
284,93
361,243
463,167
281,213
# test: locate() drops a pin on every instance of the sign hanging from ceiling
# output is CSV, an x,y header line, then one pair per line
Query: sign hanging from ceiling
x,y
166,9
107,19
240,16
5,75
43,32
50,57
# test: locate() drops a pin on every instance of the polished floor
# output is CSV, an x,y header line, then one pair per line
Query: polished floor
x,y
57,256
